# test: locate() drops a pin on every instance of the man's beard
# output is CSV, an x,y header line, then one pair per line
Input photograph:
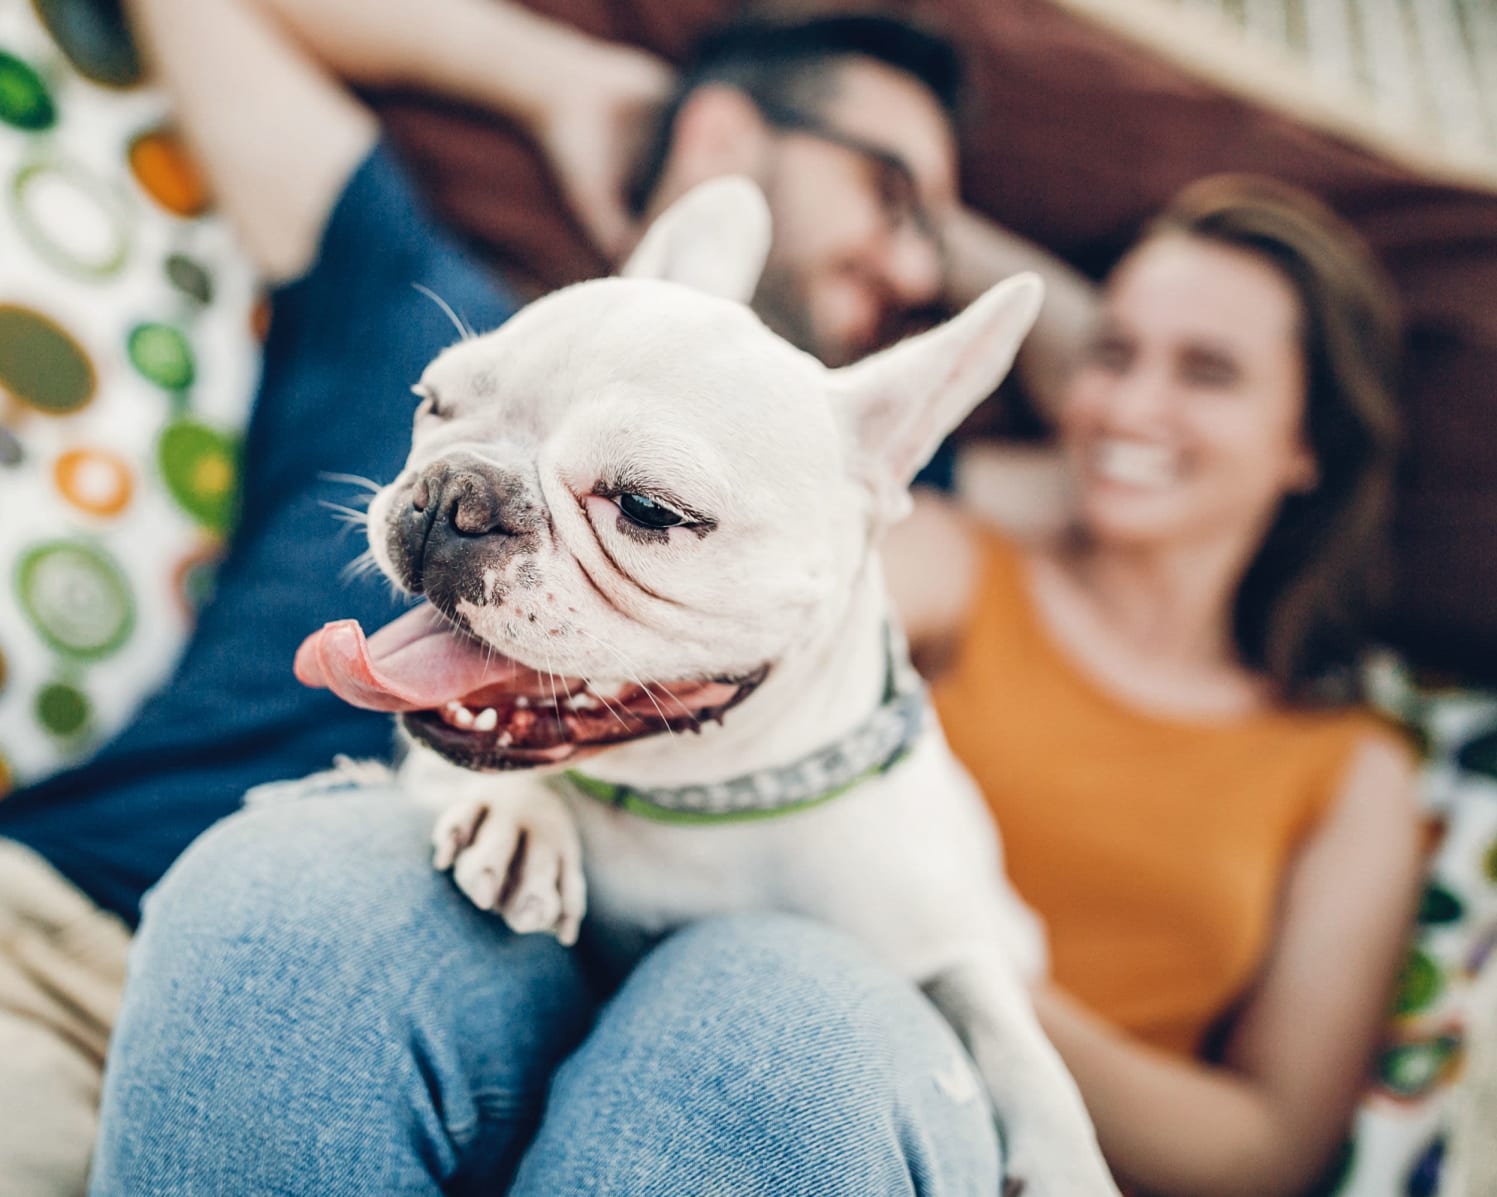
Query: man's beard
x,y
781,303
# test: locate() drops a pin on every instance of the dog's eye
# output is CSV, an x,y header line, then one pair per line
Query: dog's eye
x,y
430,404
648,512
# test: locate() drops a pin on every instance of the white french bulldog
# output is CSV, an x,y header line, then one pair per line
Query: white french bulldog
x,y
632,508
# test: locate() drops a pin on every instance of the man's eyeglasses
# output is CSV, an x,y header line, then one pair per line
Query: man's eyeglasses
x,y
898,193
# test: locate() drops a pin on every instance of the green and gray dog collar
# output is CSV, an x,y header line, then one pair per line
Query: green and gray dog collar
x,y
870,750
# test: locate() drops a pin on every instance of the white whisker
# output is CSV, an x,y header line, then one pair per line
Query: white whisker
x,y
607,706
671,694
360,567
551,674
634,677
349,515
463,330
368,484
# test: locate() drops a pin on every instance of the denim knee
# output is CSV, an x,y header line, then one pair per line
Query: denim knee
x,y
340,868
313,885
308,995
328,908
764,1054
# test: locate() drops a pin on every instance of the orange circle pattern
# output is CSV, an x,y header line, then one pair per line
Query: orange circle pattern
x,y
167,173
94,481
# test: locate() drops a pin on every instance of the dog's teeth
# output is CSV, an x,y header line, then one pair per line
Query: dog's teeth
x,y
522,702
453,707
582,702
505,739
462,716
486,720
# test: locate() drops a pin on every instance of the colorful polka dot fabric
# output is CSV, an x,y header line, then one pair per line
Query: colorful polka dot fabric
x,y
128,359
1400,1139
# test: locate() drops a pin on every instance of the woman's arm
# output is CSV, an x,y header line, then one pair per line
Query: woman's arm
x,y
258,91
979,254
931,557
1267,1121
1023,489
931,568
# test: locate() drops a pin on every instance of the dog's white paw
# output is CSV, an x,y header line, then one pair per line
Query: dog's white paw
x,y
518,857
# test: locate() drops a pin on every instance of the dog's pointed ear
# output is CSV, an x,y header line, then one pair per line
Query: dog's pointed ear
x,y
899,404
714,238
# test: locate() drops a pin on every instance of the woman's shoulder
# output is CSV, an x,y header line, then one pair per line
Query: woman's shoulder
x,y
937,561
1348,727
1361,759
951,575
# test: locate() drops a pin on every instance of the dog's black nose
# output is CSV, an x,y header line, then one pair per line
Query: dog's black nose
x,y
459,499
456,508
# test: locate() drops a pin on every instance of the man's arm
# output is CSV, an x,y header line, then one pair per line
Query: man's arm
x,y
1022,489
979,254
258,91
581,100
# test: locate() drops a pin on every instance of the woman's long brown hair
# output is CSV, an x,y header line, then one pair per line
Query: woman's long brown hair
x,y
1306,603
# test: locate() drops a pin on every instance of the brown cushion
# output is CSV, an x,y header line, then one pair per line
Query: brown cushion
x,y
1078,137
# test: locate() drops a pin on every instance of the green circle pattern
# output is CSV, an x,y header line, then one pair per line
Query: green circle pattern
x,y
1411,1070
25,102
200,467
161,354
189,277
77,599
1479,755
41,365
94,263
1419,984
1439,906
62,709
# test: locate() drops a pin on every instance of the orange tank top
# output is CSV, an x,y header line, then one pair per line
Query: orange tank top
x,y
1153,848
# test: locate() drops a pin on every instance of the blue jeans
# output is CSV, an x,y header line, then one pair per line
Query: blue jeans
x,y
313,1010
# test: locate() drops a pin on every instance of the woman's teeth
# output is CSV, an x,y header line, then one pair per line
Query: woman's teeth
x,y
1135,463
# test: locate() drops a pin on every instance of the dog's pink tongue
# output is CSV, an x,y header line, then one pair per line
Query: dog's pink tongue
x,y
413,664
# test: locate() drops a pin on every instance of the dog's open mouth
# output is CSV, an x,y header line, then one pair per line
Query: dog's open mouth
x,y
484,711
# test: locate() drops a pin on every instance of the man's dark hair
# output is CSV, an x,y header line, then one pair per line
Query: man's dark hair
x,y
782,64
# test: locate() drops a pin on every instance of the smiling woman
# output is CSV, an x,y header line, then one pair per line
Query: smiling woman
x,y
1303,607
1158,701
